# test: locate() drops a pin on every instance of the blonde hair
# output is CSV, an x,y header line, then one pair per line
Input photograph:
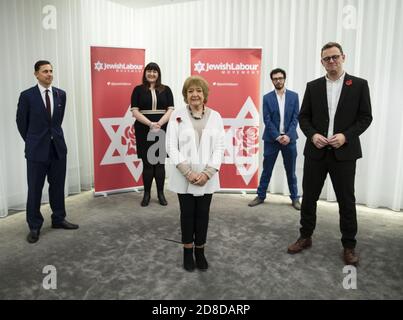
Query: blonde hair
x,y
196,81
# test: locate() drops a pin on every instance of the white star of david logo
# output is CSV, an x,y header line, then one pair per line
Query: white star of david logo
x,y
98,66
199,66
247,166
117,152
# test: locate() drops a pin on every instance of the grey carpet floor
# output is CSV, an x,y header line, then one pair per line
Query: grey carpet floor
x,y
124,251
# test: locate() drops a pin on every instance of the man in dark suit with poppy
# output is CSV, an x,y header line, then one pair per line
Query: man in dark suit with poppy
x,y
335,111
39,120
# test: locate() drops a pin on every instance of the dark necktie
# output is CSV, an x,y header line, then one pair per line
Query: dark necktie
x,y
48,104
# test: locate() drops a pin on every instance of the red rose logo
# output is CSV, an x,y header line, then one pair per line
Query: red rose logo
x,y
178,119
129,140
349,82
246,141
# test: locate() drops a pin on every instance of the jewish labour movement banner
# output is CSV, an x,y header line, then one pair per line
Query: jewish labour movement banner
x,y
114,74
234,82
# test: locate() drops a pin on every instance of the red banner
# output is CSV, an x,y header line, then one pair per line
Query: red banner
x,y
234,79
114,74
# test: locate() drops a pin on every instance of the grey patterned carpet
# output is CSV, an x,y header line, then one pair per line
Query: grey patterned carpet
x,y
124,251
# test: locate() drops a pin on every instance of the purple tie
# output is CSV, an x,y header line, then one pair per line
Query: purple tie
x,y
48,104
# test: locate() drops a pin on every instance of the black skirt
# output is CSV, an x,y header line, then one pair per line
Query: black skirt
x,y
141,132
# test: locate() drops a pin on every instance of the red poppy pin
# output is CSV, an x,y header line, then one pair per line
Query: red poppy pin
x,y
179,119
349,82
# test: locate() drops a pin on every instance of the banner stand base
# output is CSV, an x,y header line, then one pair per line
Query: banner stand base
x,y
110,192
241,191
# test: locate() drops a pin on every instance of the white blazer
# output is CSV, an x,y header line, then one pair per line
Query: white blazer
x,y
181,146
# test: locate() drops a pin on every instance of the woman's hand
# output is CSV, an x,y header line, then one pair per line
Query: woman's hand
x,y
192,177
201,180
154,126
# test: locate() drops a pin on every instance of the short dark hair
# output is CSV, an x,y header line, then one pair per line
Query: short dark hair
x,y
39,64
158,85
331,45
277,70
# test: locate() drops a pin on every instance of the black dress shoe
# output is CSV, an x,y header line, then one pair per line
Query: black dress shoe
x,y
161,199
33,236
146,199
64,225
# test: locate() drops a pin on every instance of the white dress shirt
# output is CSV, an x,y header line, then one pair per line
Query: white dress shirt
x,y
281,106
42,89
333,91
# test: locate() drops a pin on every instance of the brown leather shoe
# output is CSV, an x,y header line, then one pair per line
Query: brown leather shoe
x,y
299,245
350,257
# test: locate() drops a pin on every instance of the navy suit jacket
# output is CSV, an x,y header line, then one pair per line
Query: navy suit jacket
x,y
35,126
353,116
271,116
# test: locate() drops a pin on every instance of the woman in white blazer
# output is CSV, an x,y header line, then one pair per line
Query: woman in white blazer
x,y
195,144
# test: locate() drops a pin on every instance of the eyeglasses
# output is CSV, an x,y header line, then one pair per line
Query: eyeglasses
x,y
277,79
334,58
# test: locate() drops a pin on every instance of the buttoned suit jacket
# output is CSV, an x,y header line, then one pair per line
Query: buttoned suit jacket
x,y
37,128
271,116
352,117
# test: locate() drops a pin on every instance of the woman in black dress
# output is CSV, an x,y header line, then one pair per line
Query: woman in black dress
x,y
152,104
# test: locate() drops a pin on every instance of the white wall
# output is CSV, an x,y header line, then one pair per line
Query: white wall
x,y
80,24
291,33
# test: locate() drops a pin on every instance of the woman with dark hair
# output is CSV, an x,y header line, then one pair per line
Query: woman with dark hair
x,y
152,104
195,144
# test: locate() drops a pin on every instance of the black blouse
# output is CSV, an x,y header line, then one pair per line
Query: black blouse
x,y
142,99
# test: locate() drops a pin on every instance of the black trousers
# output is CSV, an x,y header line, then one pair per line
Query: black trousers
x,y
342,175
194,217
151,171
55,170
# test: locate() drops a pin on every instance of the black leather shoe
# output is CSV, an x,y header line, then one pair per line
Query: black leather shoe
x,y
33,236
161,199
146,199
64,225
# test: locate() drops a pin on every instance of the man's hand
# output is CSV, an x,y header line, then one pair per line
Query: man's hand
x,y
337,140
284,139
319,141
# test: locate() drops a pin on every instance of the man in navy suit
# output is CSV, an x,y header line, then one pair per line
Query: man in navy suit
x,y
39,119
280,115
335,111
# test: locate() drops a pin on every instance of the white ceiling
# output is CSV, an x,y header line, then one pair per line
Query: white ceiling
x,y
147,3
